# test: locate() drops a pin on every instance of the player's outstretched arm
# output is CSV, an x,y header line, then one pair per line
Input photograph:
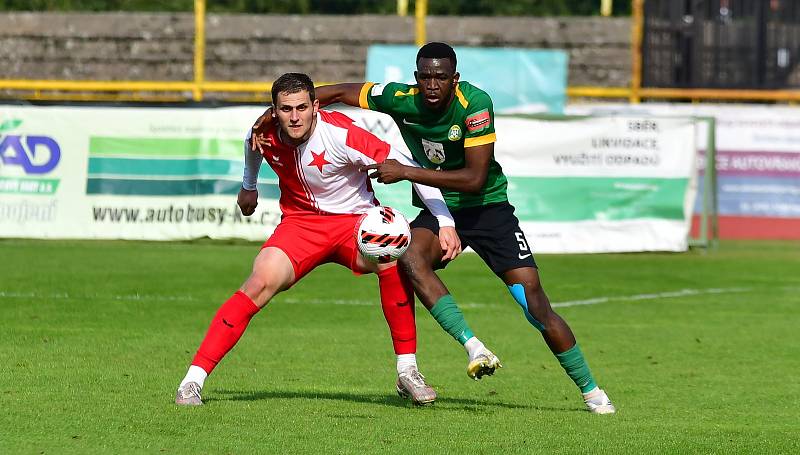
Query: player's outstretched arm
x,y
347,93
469,179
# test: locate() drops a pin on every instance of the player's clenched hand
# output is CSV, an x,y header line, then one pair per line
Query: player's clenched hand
x,y
247,200
451,244
259,128
390,171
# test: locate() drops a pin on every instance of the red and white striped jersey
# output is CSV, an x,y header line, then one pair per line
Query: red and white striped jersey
x,y
321,175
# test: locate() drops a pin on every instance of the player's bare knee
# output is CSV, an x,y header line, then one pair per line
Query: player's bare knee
x,y
540,310
414,249
408,262
533,301
532,285
416,263
263,283
254,285
537,299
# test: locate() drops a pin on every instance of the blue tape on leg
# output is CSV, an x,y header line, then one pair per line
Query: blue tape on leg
x,y
518,292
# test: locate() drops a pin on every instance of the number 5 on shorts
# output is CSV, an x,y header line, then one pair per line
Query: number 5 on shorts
x,y
523,245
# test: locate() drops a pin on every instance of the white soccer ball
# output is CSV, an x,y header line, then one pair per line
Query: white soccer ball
x,y
382,234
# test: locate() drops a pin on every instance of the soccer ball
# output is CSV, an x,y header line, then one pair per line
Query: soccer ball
x,y
382,234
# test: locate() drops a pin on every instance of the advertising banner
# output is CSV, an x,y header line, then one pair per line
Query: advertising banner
x,y
127,173
579,185
600,184
588,184
758,163
531,80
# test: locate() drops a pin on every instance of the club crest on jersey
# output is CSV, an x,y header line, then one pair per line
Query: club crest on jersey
x,y
434,151
455,133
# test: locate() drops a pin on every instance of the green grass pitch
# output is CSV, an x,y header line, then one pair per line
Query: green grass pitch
x,y
699,351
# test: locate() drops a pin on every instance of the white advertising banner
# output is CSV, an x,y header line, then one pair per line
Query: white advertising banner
x,y
127,173
758,156
601,184
588,185
578,185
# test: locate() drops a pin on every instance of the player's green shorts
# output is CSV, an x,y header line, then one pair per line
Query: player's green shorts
x,y
491,230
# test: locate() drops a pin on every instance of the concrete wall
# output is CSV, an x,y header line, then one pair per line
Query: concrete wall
x,y
144,46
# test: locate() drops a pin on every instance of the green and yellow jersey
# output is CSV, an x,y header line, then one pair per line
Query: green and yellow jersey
x,y
440,140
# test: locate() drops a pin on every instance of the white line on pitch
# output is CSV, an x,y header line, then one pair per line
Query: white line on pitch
x,y
67,296
653,296
569,303
376,302
352,302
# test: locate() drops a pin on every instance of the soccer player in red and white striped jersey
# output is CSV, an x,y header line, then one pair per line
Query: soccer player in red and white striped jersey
x,y
317,156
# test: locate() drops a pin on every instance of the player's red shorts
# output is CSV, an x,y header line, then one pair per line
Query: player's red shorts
x,y
312,240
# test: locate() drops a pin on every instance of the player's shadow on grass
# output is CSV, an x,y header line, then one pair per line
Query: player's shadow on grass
x,y
376,399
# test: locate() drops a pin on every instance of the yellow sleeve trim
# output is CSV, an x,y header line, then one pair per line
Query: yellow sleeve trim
x,y
362,97
482,140
460,96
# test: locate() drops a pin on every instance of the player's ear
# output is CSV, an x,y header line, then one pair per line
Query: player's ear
x,y
415,75
315,104
455,77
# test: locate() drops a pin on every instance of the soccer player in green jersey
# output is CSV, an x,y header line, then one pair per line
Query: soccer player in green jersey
x,y
448,125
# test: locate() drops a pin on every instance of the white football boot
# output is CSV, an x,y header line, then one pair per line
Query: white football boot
x,y
597,402
483,364
189,395
411,384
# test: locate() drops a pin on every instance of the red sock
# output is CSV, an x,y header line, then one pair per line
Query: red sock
x,y
397,301
226,328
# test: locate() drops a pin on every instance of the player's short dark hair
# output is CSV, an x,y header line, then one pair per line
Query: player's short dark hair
x,y
437,50
292,83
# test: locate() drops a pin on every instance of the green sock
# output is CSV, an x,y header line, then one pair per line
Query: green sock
x,y
576,367
449,316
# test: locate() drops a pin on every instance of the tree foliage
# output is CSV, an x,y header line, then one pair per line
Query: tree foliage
x,y
435,7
